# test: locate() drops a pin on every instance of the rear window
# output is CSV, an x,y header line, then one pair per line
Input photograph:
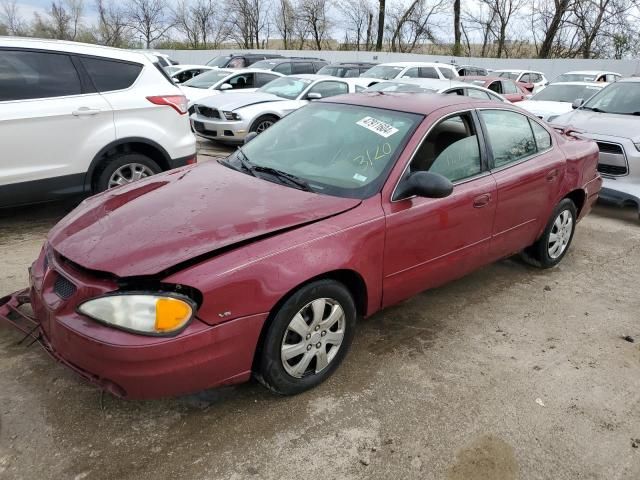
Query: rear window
x,y
109,75
447,73
25,75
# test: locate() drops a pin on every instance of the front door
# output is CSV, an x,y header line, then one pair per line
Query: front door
x,y
430,241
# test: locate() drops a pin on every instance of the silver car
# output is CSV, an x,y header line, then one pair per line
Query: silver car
x,y
558,98
229,118
612,118
434,85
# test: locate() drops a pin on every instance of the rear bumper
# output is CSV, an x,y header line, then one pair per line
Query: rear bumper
x,y
125,364
620,193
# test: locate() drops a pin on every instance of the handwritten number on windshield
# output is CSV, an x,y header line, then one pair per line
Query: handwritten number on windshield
x,y
369,157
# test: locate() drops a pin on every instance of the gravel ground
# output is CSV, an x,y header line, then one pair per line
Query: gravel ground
x,y
509,373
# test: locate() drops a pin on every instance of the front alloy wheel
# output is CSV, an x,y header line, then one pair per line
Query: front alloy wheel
x,y
129,173
560,234
307,338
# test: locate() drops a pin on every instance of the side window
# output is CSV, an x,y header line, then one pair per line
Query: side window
x,y
352,73
446,73
242,81
283,68
264,78
302,67
542,137
526,78
236,63
25,75
509,87
510,136
329,88
411,73
428,72
472,92
495,86
108,75
451,149
455,91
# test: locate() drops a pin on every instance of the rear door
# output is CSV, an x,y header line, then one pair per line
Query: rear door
x,y
52,121
528,172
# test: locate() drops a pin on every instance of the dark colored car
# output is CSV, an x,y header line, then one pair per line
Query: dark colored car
x,y
262,262
346,69
239,60
471,71
512,91
291,66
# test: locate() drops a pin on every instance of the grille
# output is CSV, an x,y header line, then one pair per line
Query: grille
x,y
63,287
207,112
610,148
612,169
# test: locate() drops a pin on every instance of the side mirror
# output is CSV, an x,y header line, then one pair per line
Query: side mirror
x,y
577,103
250,136
314,96
225,86
424,184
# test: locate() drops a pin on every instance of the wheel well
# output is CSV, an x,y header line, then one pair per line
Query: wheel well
x,y
578,198
349,278
153,152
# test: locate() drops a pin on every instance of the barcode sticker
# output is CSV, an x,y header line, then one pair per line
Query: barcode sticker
x,y
377,126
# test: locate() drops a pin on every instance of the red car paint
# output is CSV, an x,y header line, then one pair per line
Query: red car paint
x,y
489,82
245,243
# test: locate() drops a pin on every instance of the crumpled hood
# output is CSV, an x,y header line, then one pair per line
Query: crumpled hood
x,y
232,101
156,223
622,126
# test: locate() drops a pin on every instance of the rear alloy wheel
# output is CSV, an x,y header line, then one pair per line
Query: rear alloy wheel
x,y
308,338
125,168
554,242
262,123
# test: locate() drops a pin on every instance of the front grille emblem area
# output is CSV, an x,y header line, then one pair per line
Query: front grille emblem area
x,y
63,287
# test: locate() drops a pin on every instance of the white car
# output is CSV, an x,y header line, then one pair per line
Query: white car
x,y
389,71
79,119
432,85
558,98
533,80
219,80
229,118
588,76
184,73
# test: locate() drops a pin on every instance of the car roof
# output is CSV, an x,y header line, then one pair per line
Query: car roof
x,y
351,64
75,47
484,78
188,67
589,72
420,103
515,70
630,79
297,60
435,83
416,64
585,84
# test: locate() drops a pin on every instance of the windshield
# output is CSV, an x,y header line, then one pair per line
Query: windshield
x,y
575,77
622,98
207,79
286,87
341,150
511,75
347,72
265,64
399,87
566,93
383,72
220,61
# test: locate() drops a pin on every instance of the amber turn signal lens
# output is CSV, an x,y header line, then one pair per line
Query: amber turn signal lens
x,y
171,314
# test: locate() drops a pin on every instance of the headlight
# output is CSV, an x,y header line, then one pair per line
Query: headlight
x,y
231,116
149,314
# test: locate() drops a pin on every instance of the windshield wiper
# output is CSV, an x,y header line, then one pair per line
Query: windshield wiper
x,y
245,164
594,109
289,177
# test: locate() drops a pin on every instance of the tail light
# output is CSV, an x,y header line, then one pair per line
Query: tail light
x,y
178,102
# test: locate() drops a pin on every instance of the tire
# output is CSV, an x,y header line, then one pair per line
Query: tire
x,y
262,123
549,250
289,362
142,164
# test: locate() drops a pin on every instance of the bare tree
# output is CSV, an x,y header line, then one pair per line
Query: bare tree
x,y
314,14
11,19
62,21
457,47
285,21
149,18
248,20
549,17
503,12
113,28
483,21
593,18
357,16
381,15
414,24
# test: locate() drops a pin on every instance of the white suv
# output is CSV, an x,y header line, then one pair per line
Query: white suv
x,y
79,119
389,71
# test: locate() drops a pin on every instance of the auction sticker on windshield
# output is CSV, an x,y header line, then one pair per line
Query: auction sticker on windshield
x,y
377,126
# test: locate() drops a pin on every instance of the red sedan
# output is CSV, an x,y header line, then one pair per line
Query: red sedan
x,y
262,263
512,91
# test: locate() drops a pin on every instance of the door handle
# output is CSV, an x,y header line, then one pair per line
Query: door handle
x,y
551,176
85,112
481,200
